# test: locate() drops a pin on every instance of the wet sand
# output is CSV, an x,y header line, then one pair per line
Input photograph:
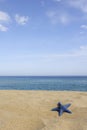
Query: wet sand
x,y
31,110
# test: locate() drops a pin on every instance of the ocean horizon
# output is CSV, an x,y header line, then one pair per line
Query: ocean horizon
x,y
60,83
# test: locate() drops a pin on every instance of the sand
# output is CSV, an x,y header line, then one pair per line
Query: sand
x,y
31,110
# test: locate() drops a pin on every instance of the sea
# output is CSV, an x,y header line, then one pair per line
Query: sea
x,y
56,83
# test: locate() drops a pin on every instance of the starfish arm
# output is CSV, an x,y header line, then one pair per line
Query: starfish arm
x,y
61,112
68,111
67,105
55,109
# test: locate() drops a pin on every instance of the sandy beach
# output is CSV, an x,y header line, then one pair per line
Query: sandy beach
x,y
31,110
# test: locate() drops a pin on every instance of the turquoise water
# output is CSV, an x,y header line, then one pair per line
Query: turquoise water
x,y
75,83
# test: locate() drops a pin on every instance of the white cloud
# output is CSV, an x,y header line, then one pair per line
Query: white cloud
x,y
80,52
4,20
3,28
65,15
83,48
77,53
58,17
83,26
79,4
4,17
22,20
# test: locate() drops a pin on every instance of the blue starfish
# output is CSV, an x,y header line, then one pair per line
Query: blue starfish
x,y
62,108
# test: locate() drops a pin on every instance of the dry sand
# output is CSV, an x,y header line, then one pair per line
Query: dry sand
x,y
31,110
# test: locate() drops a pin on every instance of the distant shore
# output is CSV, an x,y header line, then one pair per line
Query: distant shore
x,y
31,110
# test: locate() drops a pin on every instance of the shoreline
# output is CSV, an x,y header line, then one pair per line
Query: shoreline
x,y
32,90
31,110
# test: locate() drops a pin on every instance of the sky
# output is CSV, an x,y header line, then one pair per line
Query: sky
x,y
43,37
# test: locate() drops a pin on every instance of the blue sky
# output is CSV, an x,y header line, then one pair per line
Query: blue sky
x,y
43,37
